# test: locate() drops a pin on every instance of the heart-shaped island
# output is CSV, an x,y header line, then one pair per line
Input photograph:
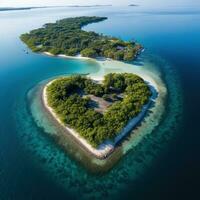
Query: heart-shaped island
x,y
98,114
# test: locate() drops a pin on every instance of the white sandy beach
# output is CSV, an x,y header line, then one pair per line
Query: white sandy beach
x,y
107,66
64,56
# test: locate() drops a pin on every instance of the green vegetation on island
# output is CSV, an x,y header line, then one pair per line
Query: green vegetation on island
x,y
67,37
72,98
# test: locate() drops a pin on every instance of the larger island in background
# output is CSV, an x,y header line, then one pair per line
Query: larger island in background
x,y
71,6
66,37
22,8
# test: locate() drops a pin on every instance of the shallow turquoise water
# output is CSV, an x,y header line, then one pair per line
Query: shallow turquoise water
x,y
32,165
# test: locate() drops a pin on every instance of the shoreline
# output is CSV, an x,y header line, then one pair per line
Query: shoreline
x,y
106,148
74,57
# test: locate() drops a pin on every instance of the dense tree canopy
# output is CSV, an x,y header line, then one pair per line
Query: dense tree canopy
x,y
68,97
66,37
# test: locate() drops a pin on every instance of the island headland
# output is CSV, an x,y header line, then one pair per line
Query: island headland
x,y
67,37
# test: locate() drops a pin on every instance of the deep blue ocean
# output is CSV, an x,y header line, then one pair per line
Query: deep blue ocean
x,y
165,165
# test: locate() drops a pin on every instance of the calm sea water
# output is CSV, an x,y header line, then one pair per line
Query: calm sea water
x,y
164,166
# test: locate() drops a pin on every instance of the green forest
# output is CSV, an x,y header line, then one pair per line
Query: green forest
x,y
68,97
67,37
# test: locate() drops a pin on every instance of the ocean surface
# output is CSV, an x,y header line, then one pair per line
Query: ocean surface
x,y
163,165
